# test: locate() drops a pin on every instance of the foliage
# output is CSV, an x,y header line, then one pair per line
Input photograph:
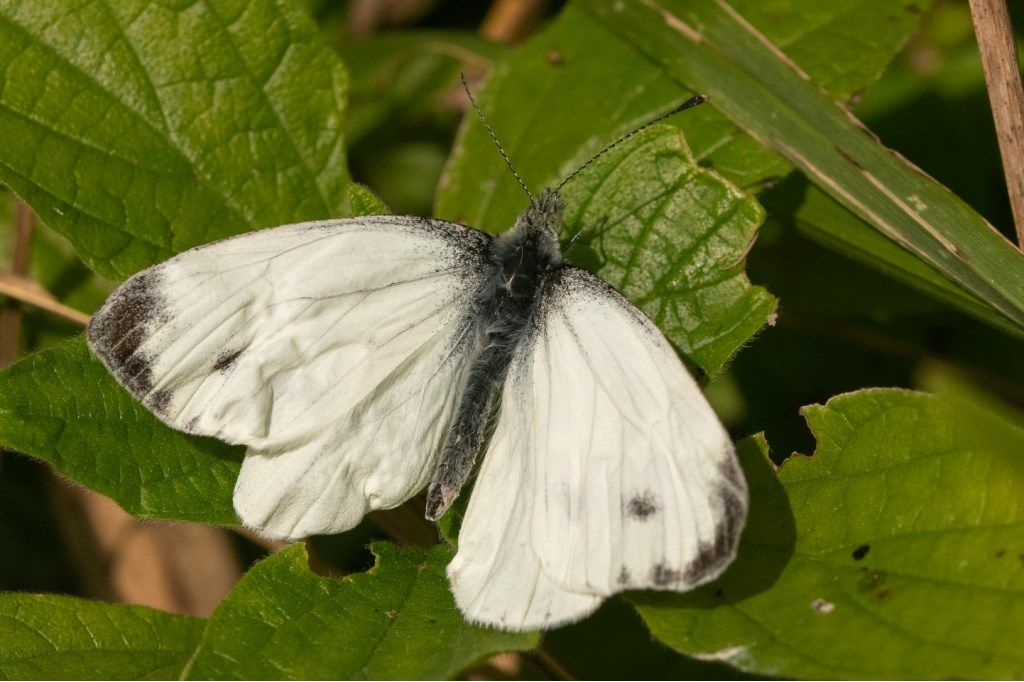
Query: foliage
x,y
138,129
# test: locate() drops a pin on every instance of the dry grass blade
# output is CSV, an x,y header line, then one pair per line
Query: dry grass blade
x,y
511,21
1006,94
10,316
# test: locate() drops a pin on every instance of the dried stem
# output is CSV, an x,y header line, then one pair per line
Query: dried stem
x,y
10,316
406,524
24,290
176,567
1006,95
510,21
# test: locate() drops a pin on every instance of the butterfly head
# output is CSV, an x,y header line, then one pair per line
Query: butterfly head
x,y
542,222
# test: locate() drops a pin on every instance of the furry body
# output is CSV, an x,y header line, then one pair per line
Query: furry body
x,y
520,260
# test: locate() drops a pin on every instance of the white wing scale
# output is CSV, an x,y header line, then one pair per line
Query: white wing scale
x,y
607,469
335,350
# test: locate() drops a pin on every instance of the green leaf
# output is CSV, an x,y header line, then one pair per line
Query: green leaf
x,y
708,45
62,406
672,237
824,220
398,621
613,644
890,553
362,201
401,76
139,129
56,637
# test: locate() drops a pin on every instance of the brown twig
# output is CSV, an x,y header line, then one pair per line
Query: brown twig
x,y
1006,95
510,21
406,524
366,17
24,290
176,567
10,316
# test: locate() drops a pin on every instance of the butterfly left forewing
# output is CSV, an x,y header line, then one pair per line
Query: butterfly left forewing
x,y
334,350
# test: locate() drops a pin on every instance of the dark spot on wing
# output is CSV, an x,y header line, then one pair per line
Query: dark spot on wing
x,y
227,360
663,575
883,593
160,401
643,506
713,556
123,324
730,471
861,552
624,577
1000,553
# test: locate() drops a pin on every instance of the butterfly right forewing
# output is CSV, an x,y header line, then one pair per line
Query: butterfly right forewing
x,y
629,481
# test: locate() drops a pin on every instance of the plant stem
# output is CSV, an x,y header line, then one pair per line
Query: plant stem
x,y
23,290
510,21
1006,95
10,316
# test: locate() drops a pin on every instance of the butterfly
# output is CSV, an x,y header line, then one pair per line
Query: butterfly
x,y
360,361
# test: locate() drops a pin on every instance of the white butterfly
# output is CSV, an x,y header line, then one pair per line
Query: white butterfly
x,y
358,360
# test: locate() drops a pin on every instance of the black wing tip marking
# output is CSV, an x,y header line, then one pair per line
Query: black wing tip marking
x,y
713,557
122,325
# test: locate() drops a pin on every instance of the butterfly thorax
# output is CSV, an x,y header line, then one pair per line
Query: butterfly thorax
x,y
520,259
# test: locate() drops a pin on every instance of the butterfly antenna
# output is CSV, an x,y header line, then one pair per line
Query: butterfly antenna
x,y
688,104
494,138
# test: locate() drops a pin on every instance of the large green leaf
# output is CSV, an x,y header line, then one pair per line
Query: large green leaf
x,y
672,237
55,637
138,129
708,45
398,621
890,553
62,406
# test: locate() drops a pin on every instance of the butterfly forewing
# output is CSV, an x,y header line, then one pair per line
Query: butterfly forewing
x,y
334,350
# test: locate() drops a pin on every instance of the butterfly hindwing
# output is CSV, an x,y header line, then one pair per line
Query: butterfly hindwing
x,y
628,479
334,350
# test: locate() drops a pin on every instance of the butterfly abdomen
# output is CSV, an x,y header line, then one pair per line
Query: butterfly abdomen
x,y
520,260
